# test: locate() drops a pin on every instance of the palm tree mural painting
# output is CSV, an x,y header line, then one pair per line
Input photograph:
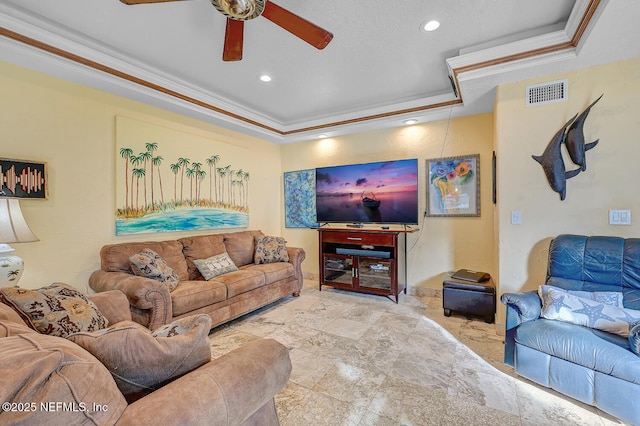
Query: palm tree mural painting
x,y
144,158
147,165
126,153
175,169
139,174
184,163
196,168
200,175
211,162
157,161
222,173
151,147
134,162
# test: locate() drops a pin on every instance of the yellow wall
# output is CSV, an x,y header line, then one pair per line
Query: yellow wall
x,y
610,182
442,244
72,128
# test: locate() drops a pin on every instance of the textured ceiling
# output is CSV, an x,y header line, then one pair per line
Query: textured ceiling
x,y
378,63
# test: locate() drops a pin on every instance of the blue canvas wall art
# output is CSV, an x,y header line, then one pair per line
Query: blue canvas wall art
x,y
300,199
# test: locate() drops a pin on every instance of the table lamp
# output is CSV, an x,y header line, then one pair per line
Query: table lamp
x,y
13,229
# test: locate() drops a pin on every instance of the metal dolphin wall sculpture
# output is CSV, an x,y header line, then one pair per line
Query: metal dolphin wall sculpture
x,y
575,139
553,164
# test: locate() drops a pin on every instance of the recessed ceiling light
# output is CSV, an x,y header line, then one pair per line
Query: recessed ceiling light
x,y
322,136
264,77
410,121
430,25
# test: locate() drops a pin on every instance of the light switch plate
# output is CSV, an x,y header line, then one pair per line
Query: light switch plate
x,y
516,217
619,217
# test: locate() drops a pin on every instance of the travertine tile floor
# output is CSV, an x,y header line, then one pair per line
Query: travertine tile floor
x,y
365,360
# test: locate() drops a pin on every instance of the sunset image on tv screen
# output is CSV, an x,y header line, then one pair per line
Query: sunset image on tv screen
x,y
381,192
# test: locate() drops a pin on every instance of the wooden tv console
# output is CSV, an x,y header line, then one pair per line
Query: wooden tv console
x,y
363,260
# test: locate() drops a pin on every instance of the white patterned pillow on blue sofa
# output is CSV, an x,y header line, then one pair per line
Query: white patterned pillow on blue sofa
x,y
611,298
558,304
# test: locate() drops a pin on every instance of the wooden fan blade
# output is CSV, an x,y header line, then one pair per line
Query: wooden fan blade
x,y
299,27
145,1
233,37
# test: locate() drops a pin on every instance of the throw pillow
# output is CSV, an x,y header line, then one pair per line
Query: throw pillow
x,y
141,361
270,249
58,309
215,265
611,298
149,264
557,304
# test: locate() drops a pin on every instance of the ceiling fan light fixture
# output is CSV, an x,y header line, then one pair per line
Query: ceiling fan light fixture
x,y
430,25
240,10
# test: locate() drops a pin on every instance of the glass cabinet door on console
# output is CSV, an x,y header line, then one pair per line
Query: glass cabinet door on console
x,y
338,269
375,273
365,261
357,272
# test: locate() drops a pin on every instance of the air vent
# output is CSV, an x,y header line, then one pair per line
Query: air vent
x,y
547,93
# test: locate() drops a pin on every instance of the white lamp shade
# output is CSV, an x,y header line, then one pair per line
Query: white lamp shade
x,y
13,227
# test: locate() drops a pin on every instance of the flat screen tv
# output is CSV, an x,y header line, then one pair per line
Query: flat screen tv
x,y
381,192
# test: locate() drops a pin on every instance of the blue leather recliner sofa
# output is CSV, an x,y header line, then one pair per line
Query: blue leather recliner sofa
x,y
588,364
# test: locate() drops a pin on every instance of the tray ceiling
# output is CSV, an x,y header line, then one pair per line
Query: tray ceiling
x,y
379,69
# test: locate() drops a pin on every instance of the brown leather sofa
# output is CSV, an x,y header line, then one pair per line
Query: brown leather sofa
x,y
223,298
51,380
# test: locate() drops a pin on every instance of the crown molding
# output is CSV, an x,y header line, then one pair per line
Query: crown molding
x,y
71,56
561,43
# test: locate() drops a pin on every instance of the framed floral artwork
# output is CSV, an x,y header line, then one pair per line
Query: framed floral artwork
x,y
453,186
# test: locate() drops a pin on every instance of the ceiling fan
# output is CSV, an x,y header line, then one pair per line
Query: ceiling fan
x,y
238,11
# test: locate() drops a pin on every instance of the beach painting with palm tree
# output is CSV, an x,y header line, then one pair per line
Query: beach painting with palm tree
x,y
171,180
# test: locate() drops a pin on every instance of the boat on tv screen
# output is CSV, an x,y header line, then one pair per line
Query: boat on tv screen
x,y
380,192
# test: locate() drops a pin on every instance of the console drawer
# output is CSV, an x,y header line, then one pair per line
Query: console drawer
x,y
377,239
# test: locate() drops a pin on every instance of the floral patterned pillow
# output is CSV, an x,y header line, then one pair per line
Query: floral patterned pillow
x,y
149,264
270,249
215,265
58,310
